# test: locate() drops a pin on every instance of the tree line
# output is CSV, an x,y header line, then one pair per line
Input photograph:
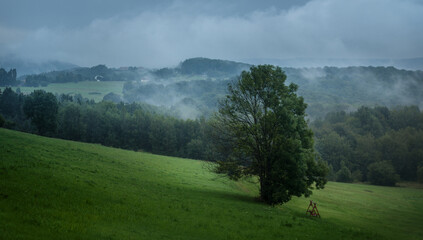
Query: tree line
x,y
99,72
376,145
8,78
196,66
135,126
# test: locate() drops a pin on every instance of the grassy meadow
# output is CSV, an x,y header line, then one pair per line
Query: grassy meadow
x,y
88,89
57,189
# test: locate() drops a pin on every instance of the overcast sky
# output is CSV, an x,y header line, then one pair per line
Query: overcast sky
x,y
163,33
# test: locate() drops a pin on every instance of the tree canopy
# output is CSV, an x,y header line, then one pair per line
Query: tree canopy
x,y
42,107
8,78
374,144
260,130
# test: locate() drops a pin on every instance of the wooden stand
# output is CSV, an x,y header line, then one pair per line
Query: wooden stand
x,y
313,211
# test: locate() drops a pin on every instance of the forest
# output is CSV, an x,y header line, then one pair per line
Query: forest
x,y
378,145
135,126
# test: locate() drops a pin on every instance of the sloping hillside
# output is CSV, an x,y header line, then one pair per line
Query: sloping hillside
x,y
56,189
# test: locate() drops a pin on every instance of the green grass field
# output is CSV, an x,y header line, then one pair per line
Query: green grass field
x,y
88,89
56,189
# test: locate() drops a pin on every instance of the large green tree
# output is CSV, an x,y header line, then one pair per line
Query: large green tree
x,y
42,108
260,130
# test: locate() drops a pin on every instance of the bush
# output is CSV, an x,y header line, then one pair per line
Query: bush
x,y
343,175
382,173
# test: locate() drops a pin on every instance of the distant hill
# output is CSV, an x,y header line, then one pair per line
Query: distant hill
x,y
212,67
25,67
194,68
79,74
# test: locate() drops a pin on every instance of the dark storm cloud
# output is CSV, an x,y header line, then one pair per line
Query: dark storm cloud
x,y
163,33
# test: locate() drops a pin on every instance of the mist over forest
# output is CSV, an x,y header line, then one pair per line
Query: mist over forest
x,y
194,87
194,119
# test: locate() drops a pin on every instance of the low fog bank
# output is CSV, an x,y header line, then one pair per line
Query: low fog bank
x,y
406,63
346,89
193,88
325,89
160,36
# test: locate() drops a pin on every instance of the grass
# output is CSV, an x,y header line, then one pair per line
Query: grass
x,y
56,189
88,89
